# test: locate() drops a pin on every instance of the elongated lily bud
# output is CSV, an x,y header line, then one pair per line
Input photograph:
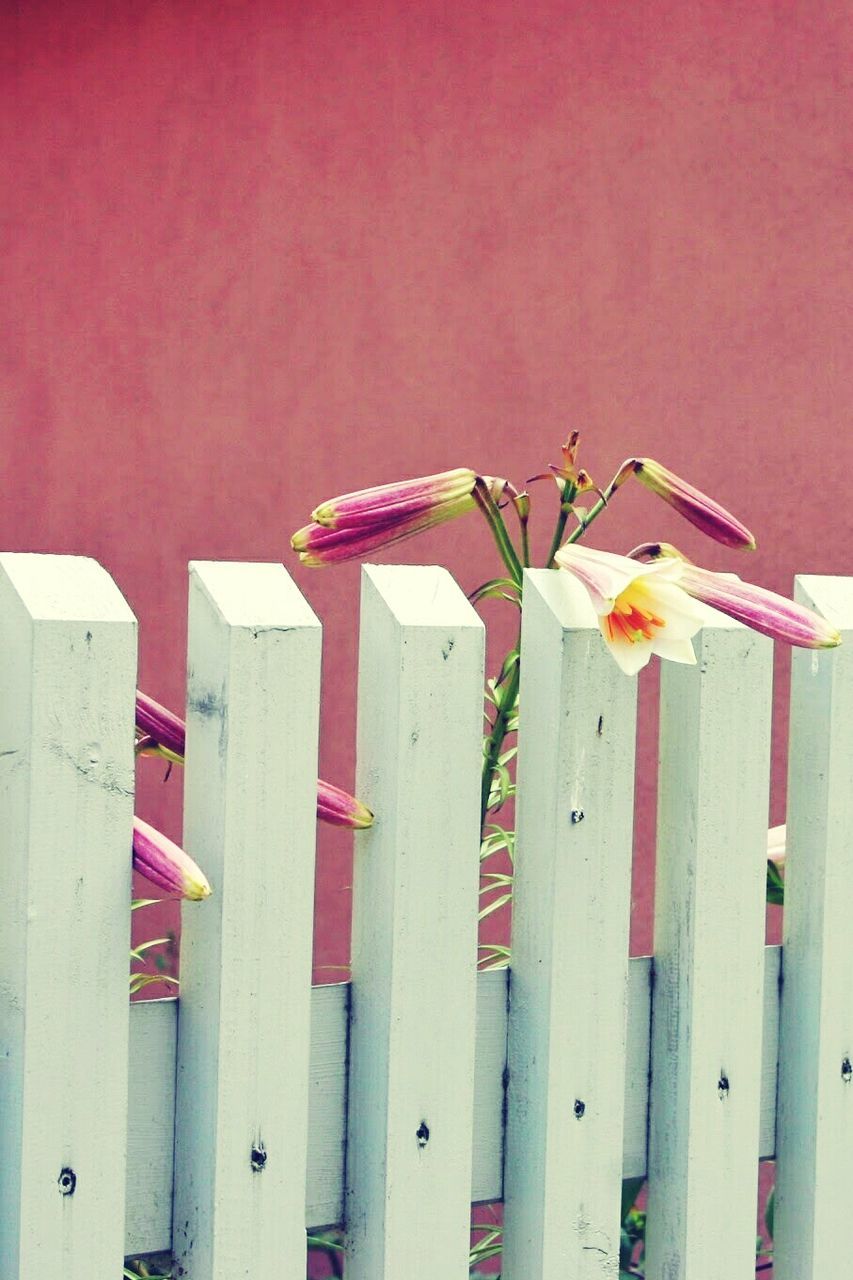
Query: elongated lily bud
x,y
765,611
167,732
340,809
355,524
166,864
695,506
400,500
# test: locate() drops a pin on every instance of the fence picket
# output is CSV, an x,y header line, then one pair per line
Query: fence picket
x,y
815,1109
244,1014
709,958
409,1155
66,780
569,968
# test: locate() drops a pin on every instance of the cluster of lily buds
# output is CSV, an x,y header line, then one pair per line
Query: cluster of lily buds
x,y
569,472
357,523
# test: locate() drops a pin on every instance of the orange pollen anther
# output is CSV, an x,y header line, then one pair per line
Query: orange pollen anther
x,y
629,621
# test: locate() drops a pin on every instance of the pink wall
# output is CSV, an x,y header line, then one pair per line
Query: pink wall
x,y
259,253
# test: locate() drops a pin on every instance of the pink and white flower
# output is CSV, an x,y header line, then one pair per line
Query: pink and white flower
x,y
642,609
773,615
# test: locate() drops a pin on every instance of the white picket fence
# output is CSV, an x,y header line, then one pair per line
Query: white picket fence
x,y
420,1087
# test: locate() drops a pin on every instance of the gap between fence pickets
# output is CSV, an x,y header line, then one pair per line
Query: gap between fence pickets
x,y
153,1033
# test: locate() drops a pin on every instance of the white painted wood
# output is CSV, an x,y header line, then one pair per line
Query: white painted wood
x,y
244,1022
67,684
638,1047
151,1125
409,1153
571,916
709,957
489,1085
815,1129
153,1026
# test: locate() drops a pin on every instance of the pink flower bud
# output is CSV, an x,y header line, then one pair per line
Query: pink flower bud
x,y
765,611
357,523
165,864
340,809
364,508
695,506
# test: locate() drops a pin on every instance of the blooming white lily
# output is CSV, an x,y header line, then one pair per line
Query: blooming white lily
x,y
639,612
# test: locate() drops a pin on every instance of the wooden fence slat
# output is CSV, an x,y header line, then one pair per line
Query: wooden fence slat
x,y
67,683
414,928
569,967
815,1125
709,958
244,1014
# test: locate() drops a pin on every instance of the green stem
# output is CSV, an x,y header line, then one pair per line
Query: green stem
x,y
506,700
567,498
596,510
489,508
525,544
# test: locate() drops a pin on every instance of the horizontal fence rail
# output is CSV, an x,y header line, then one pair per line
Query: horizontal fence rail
x,y
153,1035
219,1125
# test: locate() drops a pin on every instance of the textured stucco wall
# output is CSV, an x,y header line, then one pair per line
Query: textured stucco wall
x,y
259,253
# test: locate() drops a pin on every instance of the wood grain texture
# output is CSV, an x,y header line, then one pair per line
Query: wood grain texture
x,y
709,957
571,915
815,1157
410,1114
253,692
67,685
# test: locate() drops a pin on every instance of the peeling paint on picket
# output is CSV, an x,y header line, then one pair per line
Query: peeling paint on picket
x,y
222,1124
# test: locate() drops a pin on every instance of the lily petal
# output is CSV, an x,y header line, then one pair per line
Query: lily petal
x,y
639,613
